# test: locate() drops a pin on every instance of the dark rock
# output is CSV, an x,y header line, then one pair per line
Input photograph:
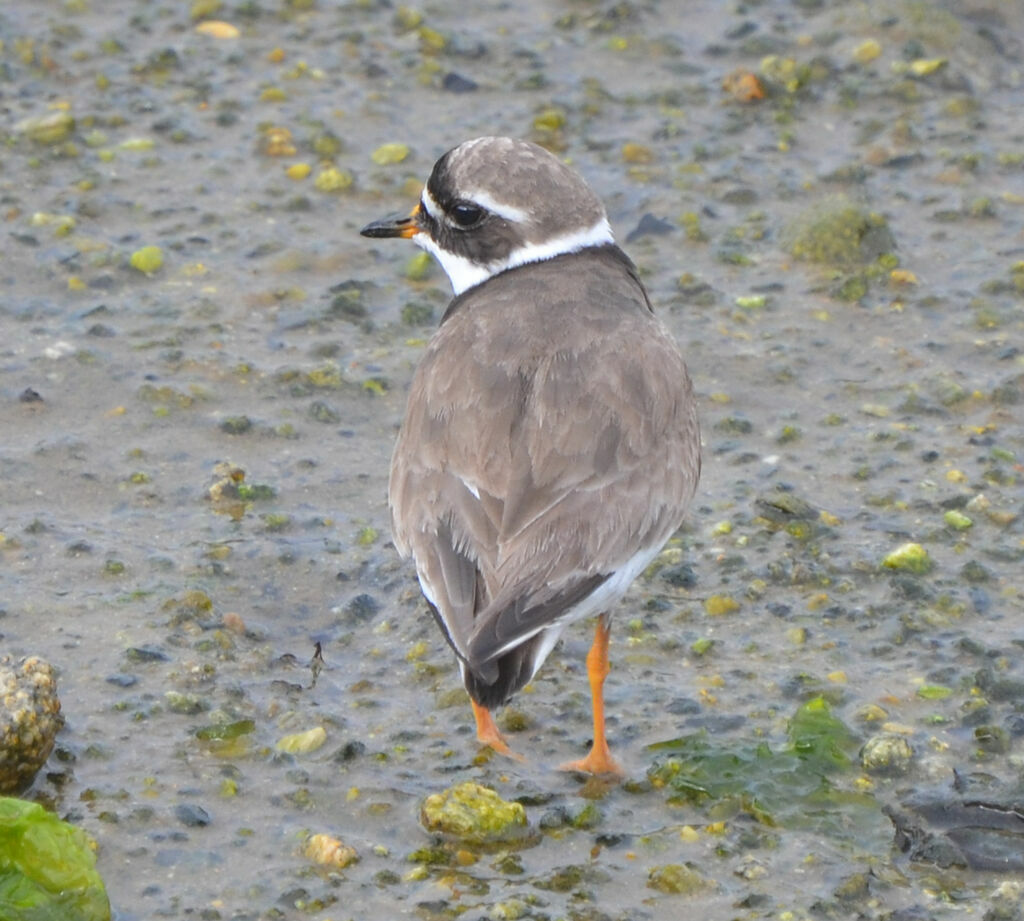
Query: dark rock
x,y
649,226
142,654
362,608
456,83
192,815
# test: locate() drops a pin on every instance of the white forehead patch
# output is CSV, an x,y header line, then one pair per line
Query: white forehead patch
x,y
430,203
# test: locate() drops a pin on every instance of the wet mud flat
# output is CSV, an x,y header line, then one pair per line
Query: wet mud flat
x,y
816,689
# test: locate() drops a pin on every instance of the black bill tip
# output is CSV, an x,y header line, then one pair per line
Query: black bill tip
x,y
404,225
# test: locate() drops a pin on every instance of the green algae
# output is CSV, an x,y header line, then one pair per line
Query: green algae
x,y
838,232
796,785
47,868
474,813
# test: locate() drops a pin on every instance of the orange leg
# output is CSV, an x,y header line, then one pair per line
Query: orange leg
x,y
486,731
599,760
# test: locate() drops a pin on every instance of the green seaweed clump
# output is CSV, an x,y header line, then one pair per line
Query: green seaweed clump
x,y
47,868
791,786
473,812
819,738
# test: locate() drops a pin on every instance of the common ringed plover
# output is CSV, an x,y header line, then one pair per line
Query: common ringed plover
x,y
550,445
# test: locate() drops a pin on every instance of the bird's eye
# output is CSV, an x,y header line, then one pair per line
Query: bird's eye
x,y
466,215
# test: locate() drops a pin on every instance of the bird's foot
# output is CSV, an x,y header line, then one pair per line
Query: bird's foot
x,y
498,744
487,733
598,761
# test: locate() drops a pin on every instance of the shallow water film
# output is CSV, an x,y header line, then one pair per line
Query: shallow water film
x,y
817,689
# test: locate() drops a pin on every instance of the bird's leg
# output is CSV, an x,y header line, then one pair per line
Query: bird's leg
x,y
599,760
487,731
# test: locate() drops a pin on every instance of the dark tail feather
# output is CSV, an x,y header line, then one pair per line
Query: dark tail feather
x,y
514,669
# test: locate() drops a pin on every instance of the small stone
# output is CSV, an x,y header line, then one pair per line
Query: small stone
x,y
333,179
677,879
958,521
329,852
719,605
417,269
853,889
417,314
302,743
49,129
388,154
473,812
975,572
188,704
886,753
191,815
236,425
362,609
217,29
649,226
319,411
909,557
143,654
456,83
637,153
702,646
121,680
867,51
147,259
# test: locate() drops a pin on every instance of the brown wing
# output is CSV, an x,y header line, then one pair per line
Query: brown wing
x,y
545,444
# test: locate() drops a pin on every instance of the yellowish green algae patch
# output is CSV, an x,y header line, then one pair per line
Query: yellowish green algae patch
x,y
303,743
838,232
677,879
909,557
473,812
147,259
388,154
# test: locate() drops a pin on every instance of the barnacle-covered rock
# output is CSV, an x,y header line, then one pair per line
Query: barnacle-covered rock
x,y
30,719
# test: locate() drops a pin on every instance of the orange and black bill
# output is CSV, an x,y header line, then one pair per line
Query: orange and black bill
x,y
407,225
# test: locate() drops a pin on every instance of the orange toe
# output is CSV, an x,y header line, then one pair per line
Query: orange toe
x,y
487,732
598,761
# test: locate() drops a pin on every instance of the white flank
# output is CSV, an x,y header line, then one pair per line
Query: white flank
x,y
548,640
464,274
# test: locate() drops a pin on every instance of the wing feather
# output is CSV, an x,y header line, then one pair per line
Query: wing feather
x,y
544,445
